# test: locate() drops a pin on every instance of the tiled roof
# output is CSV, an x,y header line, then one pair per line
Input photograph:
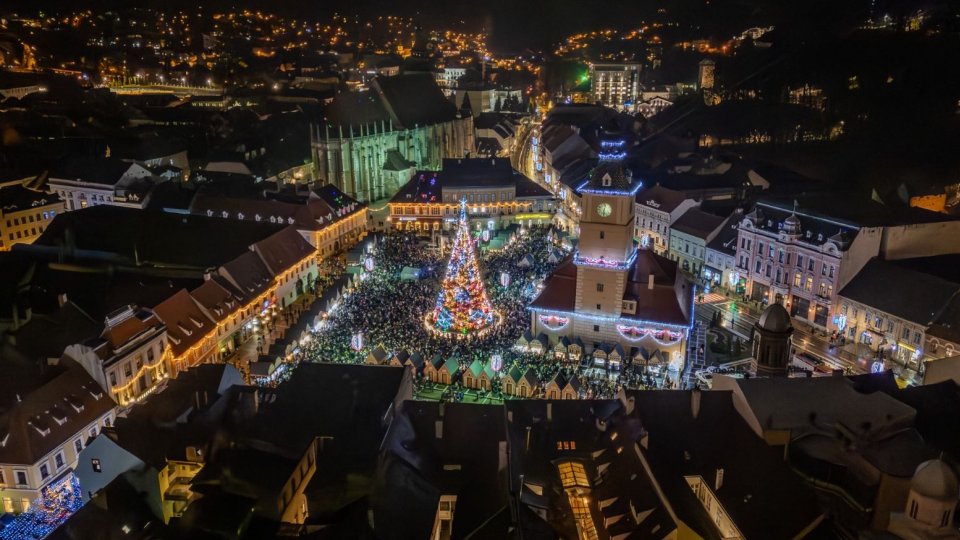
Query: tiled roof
x,y
186,323
16,198
661,198
921,302
697,223
667,302
49,416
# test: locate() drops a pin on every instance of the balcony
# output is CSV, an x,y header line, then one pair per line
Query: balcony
x,y
178,490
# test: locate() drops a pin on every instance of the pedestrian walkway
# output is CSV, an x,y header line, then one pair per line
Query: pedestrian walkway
x,y
696,360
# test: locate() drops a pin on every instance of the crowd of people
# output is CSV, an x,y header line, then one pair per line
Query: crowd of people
x,y
387,310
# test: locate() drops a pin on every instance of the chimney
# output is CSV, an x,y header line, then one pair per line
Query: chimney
x,y
62,299
438,428
549,412
719,481
529,429
695,402
650,282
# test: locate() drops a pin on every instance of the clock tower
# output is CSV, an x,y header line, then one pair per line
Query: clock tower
x,y
605,251
608,299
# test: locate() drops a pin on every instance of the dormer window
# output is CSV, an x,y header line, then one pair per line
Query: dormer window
x,y
606,180
809,235
96,392
196,322
41,429
186,331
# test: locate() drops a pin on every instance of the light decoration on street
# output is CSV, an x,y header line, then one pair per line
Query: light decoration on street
x,y
661,335
56,503
368,264
496,362
876,367
505,279
356,342
462,308
486,235
554,322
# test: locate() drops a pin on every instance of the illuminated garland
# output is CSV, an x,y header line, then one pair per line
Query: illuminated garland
x,y
637,333
56,503
554,322
607,318
580,260
462,306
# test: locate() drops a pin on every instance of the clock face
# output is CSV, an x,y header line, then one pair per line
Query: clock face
x,y
604,209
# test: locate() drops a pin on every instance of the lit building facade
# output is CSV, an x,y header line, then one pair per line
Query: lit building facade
x,y
24,214
43,433
615,85
497,196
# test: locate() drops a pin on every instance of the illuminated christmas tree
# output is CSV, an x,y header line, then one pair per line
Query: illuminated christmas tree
x,y
462,305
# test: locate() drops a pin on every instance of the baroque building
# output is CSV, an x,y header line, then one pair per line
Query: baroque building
x,y
370,142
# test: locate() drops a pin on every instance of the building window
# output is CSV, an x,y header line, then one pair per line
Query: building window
x,y
823,269
796,279
599,287
21,478
44,471
770,251
810,264
799,260
127,370
95,464
808,286
780,256
58,460
113,378
596,328
601,235
78,445
598,307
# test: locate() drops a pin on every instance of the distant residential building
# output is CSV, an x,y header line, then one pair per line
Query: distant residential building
x,y
43,429
497,196
130,357
889,320
689,236
111,181
653,106
449,77
657,208
706,74
720,267
615,85
25,214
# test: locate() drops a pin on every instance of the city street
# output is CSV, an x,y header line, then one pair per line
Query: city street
x,y
739,318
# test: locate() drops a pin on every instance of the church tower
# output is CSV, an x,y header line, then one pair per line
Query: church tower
x,y
772,345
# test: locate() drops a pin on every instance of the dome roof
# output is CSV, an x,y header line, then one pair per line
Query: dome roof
x,y
774,319
935,479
